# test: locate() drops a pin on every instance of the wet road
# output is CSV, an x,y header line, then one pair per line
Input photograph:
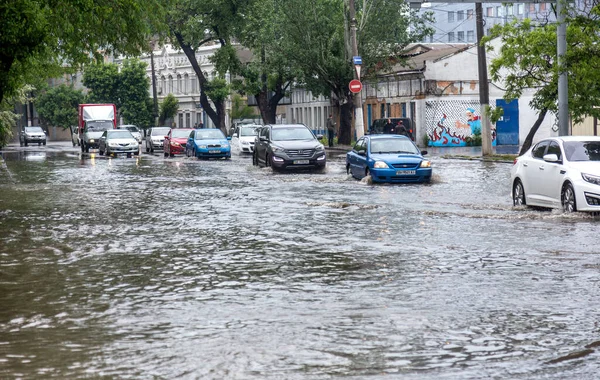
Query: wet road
x,y
177,268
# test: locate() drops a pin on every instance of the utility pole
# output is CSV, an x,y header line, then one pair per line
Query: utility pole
x,y
359,125
563,87
484,92
155,113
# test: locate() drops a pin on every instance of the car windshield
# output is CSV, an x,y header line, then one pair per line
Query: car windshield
x,y
293,133
399,145
119,134
248,131
99,126
160,131
180,133
34,129
582,150
206,134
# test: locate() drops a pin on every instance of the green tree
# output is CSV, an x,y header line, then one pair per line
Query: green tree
x,y
8,119
315,36
193,24
168,108
239,108
58,106
136,104
103,82
527,61
41,38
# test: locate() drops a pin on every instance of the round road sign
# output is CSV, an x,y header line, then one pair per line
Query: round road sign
x,y
355,86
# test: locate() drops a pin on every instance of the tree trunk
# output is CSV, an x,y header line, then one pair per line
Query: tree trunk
x,y
217,115
344,133
532,131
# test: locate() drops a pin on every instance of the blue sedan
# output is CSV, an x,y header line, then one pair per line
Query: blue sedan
x,y
207,143
388,158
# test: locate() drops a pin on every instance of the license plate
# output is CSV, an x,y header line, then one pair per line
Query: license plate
x,y
301,162
406,172
214,151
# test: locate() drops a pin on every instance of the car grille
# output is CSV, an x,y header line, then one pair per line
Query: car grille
x,y
405,166
214,145
297,153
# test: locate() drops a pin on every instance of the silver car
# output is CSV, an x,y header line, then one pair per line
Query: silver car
x,y
156,138
118,141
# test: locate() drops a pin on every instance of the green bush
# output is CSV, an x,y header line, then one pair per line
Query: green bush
x,y
474,140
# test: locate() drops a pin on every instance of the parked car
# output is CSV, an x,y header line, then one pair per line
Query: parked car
x,y
74,135
388,158
288,146
118,141
208,143
33,134
155,138
135,131
559,172
400,126
243,137
176,140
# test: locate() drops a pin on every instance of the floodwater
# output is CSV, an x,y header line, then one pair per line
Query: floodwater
x,y
178,268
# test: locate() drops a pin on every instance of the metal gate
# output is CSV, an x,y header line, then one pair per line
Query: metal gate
x,y
507,128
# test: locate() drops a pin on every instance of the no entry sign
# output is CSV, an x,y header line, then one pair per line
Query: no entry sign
x,y
355,86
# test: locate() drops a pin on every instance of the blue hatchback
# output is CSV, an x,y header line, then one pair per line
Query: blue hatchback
x,y
388,158
207,143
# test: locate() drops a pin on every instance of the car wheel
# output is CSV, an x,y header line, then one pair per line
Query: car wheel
x,y
568,201
367,172
44,143
518,194
347,168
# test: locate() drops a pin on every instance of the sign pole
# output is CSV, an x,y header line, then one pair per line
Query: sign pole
x,y
359,125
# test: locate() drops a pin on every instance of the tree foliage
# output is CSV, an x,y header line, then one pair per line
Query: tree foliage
x,y
58,106
41,38
168,108
102,80
527,59
8,119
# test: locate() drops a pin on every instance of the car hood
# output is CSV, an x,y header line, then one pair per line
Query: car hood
x,y
212,142
395,157
180,140
122,141
35,134
297,144
588,167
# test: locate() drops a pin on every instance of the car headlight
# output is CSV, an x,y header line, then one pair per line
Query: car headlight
x,y
380,165
245,143
425,164
202,146
112,144
92,140
320,147
278,149
175,143
591,178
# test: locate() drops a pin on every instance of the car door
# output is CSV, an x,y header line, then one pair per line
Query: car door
x,y
261,144
552,175
534,170
358,158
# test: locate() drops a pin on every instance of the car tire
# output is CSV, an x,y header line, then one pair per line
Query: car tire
x,y
367,172
44,143
519,194
567,197
347,168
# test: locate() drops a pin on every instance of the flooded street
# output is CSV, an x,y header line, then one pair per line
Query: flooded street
x,y
148,267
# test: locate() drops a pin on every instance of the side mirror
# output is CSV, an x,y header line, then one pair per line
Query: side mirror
x,y
423,152
362,152
551,158
263,138
320,137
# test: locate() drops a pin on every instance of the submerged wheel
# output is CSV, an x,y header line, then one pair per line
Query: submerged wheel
x,y
518,194
569,204
347,168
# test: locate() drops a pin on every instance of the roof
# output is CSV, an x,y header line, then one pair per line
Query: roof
x,y
417,55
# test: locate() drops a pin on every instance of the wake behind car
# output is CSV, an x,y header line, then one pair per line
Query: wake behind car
x,y
35,134
176,140
288,146
155,138
559,172
388,158
118,141
208,143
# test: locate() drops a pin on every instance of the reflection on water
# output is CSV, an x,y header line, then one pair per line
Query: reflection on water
x,y
181,268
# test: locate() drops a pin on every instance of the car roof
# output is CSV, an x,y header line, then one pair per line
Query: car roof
x,y
386,137
278,126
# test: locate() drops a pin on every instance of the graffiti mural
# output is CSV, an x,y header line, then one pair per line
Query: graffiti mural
x,y
454,123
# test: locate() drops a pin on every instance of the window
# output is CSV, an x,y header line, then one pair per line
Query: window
x,y
461,36
554,148
451,37
180,120
469,14
471,36
499,11
532,8
431,38
460,15
186,79
509,10
489,12
538,150
520,9
542,7
450,16
187,120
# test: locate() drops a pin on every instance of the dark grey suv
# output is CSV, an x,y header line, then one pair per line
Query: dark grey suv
x,y
288,146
